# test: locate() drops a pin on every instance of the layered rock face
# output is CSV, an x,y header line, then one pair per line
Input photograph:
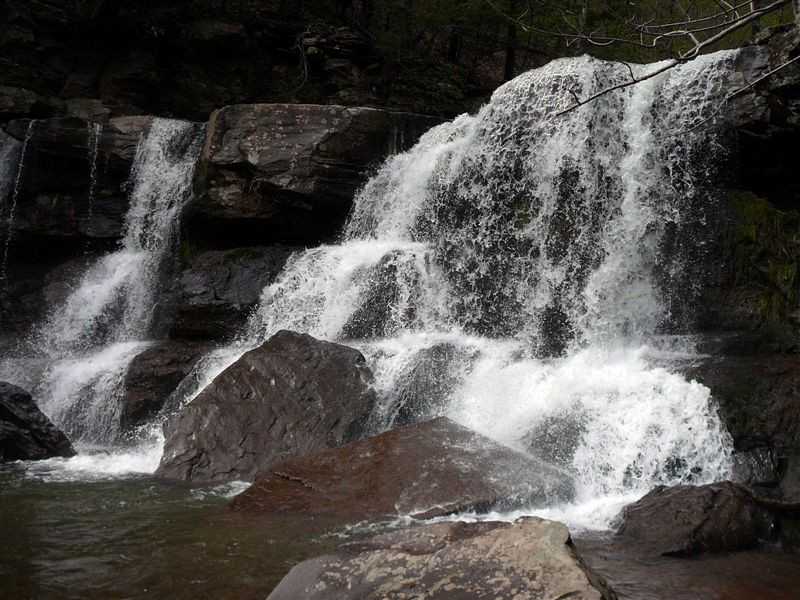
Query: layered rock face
x,y
287,173
291,396
25,433
269,172
427,470
531,558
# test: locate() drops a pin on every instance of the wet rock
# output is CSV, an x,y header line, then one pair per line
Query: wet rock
x,y
153,375
219,288
16,102
26,433
290,396
531,558
686,520
759,398
425,470
287,173
54,197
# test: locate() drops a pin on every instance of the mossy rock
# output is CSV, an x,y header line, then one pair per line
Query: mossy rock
x,y
765,252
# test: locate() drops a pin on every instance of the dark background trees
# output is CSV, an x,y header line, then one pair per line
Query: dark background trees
x,y
433,56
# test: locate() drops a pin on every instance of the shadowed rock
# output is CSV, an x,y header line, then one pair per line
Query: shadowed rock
x,y
531,558
25,433
153,375
219,288
425,470
685,520
292,395
287,173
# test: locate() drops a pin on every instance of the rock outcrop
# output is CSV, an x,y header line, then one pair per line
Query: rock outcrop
x,y
425,470
686,520
57,199
287,173
531,558
290,396
26,433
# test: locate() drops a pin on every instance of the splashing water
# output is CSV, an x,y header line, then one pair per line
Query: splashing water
x,y
515,269
90,340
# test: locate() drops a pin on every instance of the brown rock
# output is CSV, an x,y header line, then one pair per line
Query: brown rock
x,y
685,520
290,396
425,470
286,172
531,558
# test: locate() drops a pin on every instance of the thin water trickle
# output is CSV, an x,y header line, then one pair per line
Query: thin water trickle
x,y
94,131
14,197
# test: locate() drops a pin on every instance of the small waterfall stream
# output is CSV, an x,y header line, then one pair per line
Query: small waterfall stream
x,y
90,339
529,275
20,171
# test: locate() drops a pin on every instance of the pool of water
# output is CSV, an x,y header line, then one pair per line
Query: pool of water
x,y
65,535
140,538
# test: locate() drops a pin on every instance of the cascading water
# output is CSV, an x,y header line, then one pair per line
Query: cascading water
x,y
515,269
89,341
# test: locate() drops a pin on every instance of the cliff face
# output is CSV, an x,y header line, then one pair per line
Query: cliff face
x,y
101,58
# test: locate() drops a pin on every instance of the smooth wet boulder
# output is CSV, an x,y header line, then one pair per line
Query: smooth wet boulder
x,y
219,288
531,558
426,470
287,173
26,433
292,395
686,520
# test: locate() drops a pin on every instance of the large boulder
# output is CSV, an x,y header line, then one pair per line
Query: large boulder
x,y
219,288
426,470
287,173
686,520
26,433
292,395
531,558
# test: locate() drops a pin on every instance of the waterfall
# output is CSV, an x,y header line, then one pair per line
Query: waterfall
x,y
529,274
91,338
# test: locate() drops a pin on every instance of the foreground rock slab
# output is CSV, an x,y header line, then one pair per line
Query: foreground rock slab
x,y
686,520
292,395
531,559
425,470
26,433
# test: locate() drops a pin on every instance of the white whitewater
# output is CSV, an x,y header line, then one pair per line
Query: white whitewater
x,y
88,342
519,271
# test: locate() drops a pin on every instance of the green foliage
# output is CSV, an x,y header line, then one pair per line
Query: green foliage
x,y
766,251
